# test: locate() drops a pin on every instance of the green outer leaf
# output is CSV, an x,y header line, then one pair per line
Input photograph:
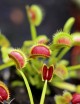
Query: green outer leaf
x,y
17,83
60,99
5,51
61,71
66,98
78,89
27,43
4,42
64,62
6,65
39,15
67,95
41,37
65,85
68,25
60,35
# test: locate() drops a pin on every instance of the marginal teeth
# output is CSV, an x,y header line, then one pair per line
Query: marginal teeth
x,y
40,50
19,58
6,89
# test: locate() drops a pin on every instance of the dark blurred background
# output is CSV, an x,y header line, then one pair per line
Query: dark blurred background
x,y
15,26
14,23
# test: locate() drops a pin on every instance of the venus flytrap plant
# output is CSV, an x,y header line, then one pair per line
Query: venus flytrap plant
x,y
36,49
75,98
5,48
4,94
35,14
66,29
35,17
31,16
20,61
65,98
43,39
19,58
47,74
39,51
62,40
61,71
68,25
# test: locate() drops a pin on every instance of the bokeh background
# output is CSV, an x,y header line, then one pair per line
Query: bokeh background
x,y
14,23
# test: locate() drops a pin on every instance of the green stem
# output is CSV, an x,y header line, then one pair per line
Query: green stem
x,y
43,93
63,52
65,85
28,87
55,52
6,65
75,67
32,27
33,31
